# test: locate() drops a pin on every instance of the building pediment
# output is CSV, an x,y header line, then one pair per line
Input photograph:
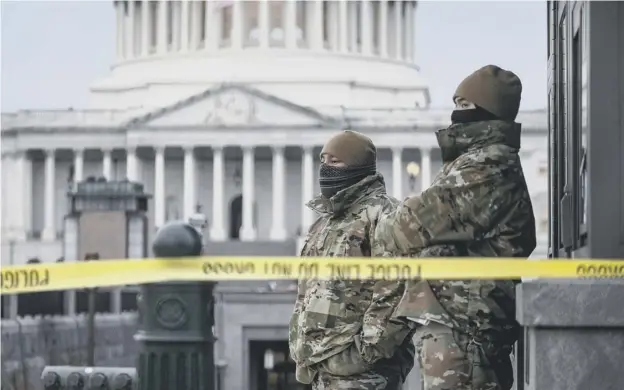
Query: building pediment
x,y
233,106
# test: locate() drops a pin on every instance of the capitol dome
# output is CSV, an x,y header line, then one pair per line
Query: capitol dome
x,y
313,53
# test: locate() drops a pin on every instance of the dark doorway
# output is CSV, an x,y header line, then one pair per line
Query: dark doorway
x,y
236,217
280,374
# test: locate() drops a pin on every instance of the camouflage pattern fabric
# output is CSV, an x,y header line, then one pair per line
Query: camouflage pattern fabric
x,y
343,328
477,206
452,360
365,381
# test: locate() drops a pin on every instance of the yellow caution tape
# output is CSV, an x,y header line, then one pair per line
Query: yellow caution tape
x,y
66,276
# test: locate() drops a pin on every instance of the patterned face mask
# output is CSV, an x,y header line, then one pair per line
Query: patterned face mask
x,y
333,179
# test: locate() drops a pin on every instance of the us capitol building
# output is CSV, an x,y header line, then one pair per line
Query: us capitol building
x,y
224,106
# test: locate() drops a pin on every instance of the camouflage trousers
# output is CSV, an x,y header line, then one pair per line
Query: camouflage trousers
x,y
365,381
450,360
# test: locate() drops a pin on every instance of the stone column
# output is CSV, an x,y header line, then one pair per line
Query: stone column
x,y
248,231
196,20
28,193
398,30
212,27
237,25
78,165
19,203
383,28
397,173
425,179
366,27
352,12
317,25
159,187
409,31
119,8
145,27
263,23
334,32
161,26
343,23
217,229
290,24
176,25
129,34
107,170
307,189
49,204
278,231
185,25
131,164
189,182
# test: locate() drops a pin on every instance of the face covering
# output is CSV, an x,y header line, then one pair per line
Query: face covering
x,y
477,114
334,179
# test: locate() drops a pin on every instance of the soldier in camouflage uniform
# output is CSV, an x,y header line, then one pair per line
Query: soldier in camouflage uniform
x,y
477,206
341,333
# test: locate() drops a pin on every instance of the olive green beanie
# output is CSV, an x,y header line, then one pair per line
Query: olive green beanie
x,y
493,89
352,148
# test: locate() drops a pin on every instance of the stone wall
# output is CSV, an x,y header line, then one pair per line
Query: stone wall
x,y
31,343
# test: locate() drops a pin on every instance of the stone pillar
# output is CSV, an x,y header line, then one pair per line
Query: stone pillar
x,y
119,8
343,24
263,23
185,25
217,230
425,164
237,25
398,29
383,28
49,204
132,171
189,182
196,20
145,27
352,12
409,31
129,34
19,204
176,25
159,187
290,24
248,230
573,334
107,170
162,27
27,194
333,37
366,27
397,173
307,189
317,41
278,231
212,27
78,165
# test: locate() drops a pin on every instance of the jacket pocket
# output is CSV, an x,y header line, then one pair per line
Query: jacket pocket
x,y
326,306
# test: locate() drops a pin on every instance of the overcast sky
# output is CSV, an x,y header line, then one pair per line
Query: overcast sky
x,y
53,50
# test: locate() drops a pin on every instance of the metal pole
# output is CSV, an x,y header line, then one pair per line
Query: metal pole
x,y
91,328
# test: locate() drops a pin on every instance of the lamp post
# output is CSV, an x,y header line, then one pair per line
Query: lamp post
x,y
413,170
175,329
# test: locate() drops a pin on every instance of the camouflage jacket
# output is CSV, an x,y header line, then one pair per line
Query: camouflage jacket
x,y
343,327
477,206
